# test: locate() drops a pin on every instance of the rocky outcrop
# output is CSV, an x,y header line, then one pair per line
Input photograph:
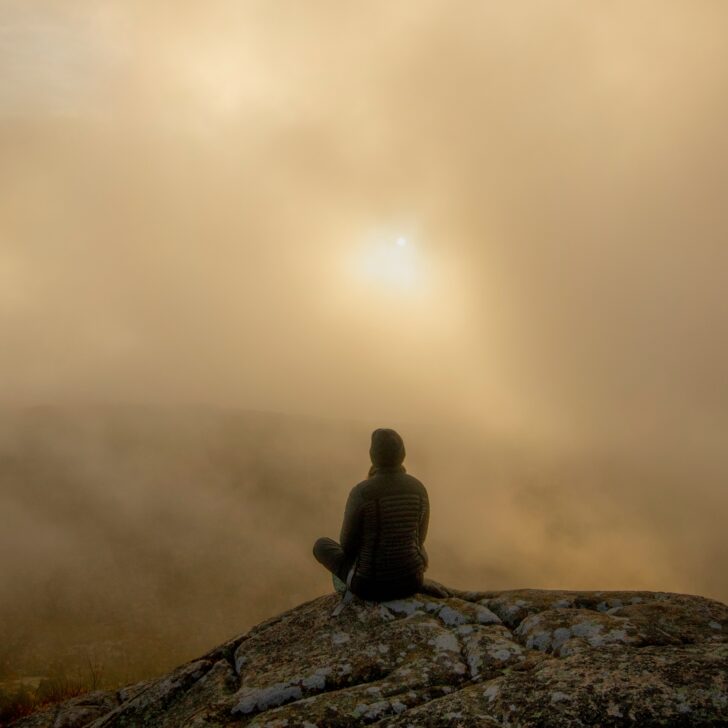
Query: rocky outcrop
x,y
516,658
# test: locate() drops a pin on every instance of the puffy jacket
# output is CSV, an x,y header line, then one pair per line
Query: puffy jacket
x,y
385,525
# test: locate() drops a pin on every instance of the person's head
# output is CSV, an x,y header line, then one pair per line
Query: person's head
x,y
387,450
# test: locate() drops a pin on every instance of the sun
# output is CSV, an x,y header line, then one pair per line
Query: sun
x,y
391,264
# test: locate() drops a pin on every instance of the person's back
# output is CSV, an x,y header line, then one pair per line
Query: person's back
x,y
382,554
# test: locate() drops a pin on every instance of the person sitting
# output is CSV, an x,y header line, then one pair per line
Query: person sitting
x,y
381,551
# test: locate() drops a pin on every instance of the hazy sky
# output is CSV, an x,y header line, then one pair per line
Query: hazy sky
x,y
201,202
501,227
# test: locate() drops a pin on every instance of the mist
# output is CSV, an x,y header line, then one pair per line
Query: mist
x,y
198,330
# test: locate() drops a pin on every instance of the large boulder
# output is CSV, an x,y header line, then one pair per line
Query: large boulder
x,y
517,658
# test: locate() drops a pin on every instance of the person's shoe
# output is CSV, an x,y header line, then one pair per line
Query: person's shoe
x,y
434,589
339,585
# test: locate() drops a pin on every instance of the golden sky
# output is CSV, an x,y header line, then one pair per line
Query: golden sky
x,y
502,221
195,197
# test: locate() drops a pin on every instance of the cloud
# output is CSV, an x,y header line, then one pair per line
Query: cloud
x,y
183,189
178,235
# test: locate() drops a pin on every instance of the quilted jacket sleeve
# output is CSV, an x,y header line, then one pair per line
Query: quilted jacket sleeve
x,y
424,523
351,528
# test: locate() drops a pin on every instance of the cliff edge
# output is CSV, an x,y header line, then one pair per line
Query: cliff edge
x,y
511,658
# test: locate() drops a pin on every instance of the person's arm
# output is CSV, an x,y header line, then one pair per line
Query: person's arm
x,y
351,527
423,525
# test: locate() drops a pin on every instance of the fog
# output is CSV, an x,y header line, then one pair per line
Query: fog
x,y
235,238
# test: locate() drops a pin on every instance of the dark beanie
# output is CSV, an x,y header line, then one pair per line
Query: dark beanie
x,y
387,448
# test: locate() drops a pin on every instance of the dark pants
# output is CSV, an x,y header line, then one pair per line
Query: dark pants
x,y
332,556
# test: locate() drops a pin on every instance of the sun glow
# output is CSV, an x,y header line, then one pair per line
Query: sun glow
x,y
391,264
390,283
389,272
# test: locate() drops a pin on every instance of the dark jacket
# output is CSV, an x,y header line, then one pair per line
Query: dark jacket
x,y
384,529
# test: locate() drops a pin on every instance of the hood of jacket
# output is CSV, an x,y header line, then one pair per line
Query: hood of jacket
x,y
387,449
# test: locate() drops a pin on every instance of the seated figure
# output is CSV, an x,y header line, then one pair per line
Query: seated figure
x,y
381,554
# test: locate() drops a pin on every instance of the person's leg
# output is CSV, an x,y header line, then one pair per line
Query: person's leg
x,y
328,553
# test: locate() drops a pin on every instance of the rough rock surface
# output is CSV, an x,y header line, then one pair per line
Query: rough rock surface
x,y
516,658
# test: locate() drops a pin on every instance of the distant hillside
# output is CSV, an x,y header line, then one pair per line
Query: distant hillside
x,y
126,524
